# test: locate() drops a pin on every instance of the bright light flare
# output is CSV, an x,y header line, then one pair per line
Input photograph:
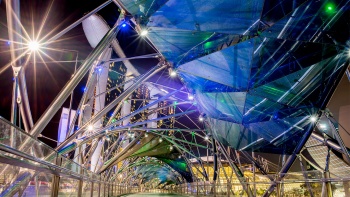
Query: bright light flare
x,y
201,118
173,73
313,118
144,32
33,46
323,126
190,97
90,128
206,138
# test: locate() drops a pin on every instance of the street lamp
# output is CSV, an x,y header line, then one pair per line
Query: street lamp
x,y
33,45
144,32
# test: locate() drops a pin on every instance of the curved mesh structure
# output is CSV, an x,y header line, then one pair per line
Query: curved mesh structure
x,y
258,69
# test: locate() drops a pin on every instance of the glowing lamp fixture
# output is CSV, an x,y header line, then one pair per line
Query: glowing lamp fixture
x,y
330,8
144,32
171,147
33,46
206,138
123,25
160,140
313,118
201,118
173,73
190,97
323,126
90,127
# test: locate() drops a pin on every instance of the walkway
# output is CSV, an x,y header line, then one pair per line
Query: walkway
x,y
151,195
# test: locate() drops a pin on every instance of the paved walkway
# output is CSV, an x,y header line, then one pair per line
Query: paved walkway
x,y
151,195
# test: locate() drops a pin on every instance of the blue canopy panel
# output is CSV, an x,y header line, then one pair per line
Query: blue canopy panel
x,y
142,9
227,106
204,85
299,88
275,58
311,21
180,46
257,109
275,10
230,66
234,135
270,136
279,128
232,17
174,43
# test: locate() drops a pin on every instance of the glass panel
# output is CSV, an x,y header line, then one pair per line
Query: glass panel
x,y
86,191
68,187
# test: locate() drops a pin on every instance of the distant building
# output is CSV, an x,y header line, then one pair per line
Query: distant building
x,y
116,76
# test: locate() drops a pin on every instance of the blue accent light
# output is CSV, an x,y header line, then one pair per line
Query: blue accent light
x,y
123,25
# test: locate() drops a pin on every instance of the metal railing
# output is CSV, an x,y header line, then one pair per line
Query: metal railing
x,y
22,171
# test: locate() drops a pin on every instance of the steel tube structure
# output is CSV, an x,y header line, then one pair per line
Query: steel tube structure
x,y
335,132
72,83
110,106
120,128
261,169
237,171
289,161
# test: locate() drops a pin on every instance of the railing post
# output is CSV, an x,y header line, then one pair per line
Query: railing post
x,y
111,189
56,179
228,188
92,189
99,188
214,188
80,188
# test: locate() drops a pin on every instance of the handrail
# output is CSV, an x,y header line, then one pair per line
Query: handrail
x,y
14,151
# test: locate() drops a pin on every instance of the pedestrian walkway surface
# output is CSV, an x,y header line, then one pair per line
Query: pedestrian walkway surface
x,y
151,195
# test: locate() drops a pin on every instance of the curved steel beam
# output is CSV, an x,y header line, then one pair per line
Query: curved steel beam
x,y
73,82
